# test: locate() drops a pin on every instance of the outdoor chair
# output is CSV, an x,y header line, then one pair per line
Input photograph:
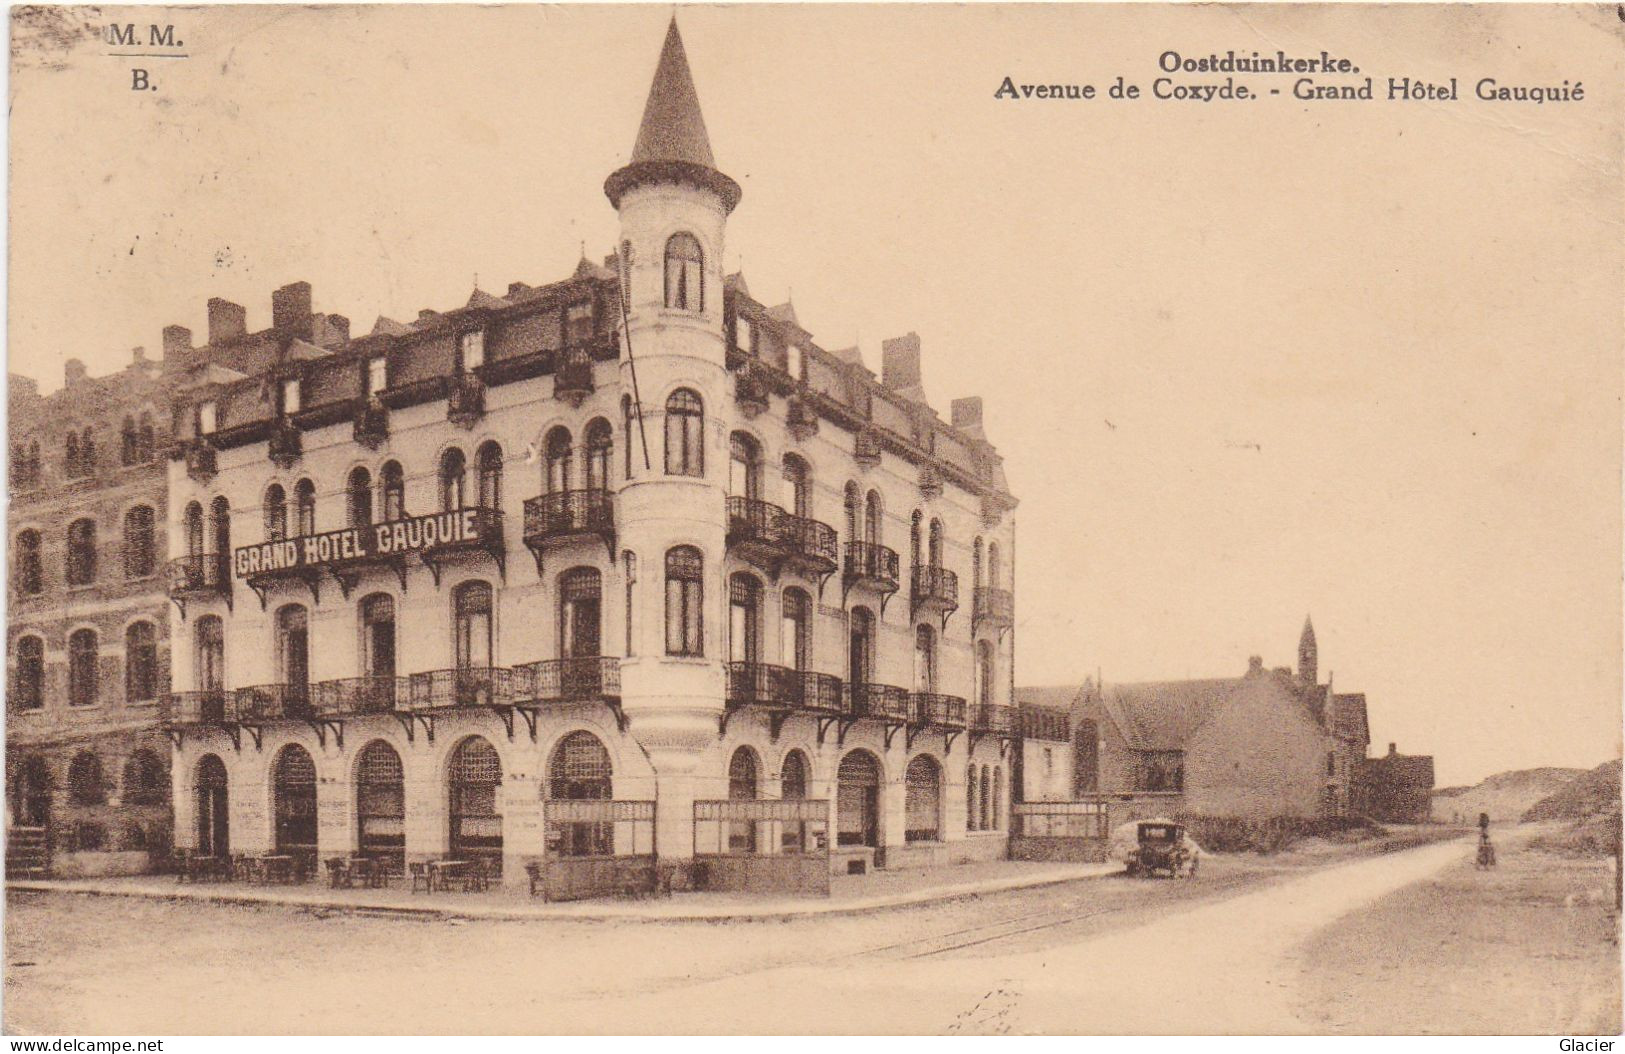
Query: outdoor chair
x,y
479,877
420,875
339,874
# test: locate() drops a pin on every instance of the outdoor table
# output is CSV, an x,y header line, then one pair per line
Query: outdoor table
x,y
368,870
441,870
276,867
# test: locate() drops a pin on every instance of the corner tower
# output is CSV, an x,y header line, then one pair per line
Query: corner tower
x,y
1308,654
671,510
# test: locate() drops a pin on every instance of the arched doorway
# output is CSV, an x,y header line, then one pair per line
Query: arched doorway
x,y
922,800
580,771
213,818
474,778
857,800
294,805
380,805
742,786
793,837
31,794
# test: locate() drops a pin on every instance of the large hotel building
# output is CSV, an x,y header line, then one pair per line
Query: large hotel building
x,y
568,580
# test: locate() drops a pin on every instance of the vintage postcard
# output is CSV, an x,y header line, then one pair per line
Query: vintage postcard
x,y
814,520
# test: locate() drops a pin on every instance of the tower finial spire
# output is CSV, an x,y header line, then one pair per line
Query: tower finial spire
x,y
1308,653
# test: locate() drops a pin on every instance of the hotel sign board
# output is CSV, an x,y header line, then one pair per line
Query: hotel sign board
x,y
414,534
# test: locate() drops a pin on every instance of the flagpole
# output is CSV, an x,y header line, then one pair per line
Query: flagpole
x,y
625,257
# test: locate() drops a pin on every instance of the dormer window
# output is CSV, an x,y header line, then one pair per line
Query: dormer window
x,y
472,350
578,323
290,396
744,335
206,418
792,361
377,375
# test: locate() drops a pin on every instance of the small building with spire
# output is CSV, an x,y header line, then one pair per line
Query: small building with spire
x,y
614,577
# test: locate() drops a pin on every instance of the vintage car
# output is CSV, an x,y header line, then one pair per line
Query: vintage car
x,y
1162,847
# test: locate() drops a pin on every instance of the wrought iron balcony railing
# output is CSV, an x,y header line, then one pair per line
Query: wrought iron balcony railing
x,y
371,425
358,695
941,711
994,607
886,702
753,523
580,679
935,586
990,717
465,401
200,458
819,692
1040,722
867,562
207,707
286,443
468,686
568,513
198,574
262,703
759,684
809,543
572,380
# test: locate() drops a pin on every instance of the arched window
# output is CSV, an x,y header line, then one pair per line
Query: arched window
x,y
685,434
983,688
796,627
797,486
986,795
452,473
192,524
293,649
28,690
857,800
140,552
742,777
922,800
140,663
861,653
83,675
358,497
580,606
85,783
998,798
128,441
70,456
81,552
294,791
685,601
600,449
914,539
471,609
145,445
993,565
933,552
304,494
378,651
580,770
30,569
872,519
393,482
488,462
380,805
560,459
685,273
925,659
976,564
209,661
744,467
793,776
853,506
220,517
970,798
744,618
276,513
145,782
475,779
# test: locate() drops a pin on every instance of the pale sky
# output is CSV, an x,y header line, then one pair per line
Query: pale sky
x,y
1244,360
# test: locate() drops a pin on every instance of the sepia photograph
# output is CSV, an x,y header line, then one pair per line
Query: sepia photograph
x,y
814,520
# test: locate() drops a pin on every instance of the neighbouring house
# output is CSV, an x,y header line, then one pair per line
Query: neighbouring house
x,y
1396,788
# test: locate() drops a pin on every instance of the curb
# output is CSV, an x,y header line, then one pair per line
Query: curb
x,y
545,914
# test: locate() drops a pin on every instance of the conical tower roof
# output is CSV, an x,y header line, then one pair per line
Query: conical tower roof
x,y
672,144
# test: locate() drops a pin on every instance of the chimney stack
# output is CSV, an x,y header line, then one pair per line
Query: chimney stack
x,y
73,372
1393,748
290,309
1255,665
226,320
177,342
900,362
138,357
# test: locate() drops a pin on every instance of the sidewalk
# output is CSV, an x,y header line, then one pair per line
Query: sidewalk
x,y
848,895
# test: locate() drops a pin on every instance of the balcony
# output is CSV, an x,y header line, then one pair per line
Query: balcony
x,y
808,545
479,532
758,684
1038,722
870,566
882,702
753,532
934,589
199,576
750,390
195,709
988,719
285,444
801,419
929,711
994,608
817,692
572,380
553,519
264,704
355,696
200,459
371,425
584,679
465,400
461,688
